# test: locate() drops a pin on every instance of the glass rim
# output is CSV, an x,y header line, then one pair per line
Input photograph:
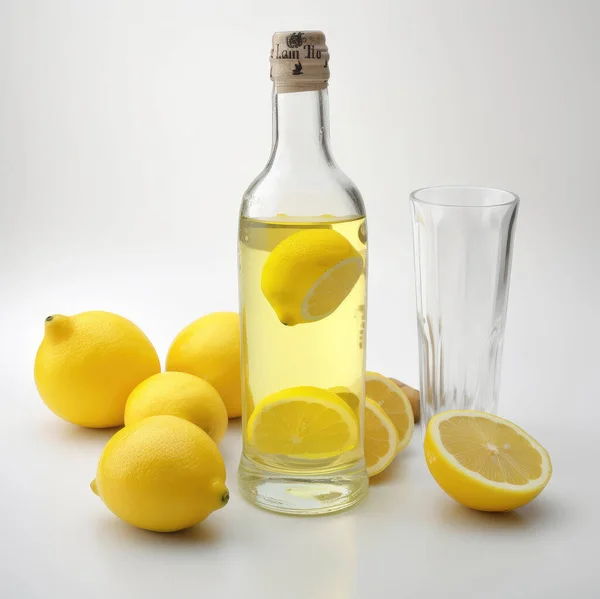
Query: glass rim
x,y
514,198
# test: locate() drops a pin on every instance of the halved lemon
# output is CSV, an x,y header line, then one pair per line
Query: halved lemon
x,y
309,274
485,462
381,438
304,422
394,403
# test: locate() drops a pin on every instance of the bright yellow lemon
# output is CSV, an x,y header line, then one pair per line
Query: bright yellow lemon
x,y
303,421
485,462
309,274
209,348
162,473
179,394
88,364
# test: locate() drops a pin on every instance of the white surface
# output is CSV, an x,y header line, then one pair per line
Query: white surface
x,y
128,132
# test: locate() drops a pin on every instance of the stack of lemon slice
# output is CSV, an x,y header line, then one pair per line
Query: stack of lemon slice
x,y
316,423
389,422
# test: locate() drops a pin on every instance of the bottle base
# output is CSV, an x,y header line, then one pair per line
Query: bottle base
x,y
297,494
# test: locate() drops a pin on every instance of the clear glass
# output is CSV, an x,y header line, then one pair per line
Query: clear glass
x,y
300,188
463,238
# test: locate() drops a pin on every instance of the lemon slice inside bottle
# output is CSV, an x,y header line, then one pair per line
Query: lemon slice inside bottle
x,y
303,422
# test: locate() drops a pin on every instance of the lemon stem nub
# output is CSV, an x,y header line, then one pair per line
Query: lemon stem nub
x,y
49,318
225,498
93,487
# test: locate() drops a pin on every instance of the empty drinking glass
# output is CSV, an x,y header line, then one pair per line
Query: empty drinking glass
x,y
463,240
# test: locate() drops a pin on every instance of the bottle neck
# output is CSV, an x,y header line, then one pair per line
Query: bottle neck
x,y
301,128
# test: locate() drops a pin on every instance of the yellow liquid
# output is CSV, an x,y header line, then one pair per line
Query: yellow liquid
x,y
328,353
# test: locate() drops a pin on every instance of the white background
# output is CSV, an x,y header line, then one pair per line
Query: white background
x,y
129,130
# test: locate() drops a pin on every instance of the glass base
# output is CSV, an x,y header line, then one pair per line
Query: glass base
x,y
293,493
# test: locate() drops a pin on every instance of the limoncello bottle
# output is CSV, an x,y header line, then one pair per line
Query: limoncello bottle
x,y
303,287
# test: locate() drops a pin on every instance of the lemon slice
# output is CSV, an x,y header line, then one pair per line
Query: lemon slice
x,y
381,438
309,274
485,462
303,421
394,403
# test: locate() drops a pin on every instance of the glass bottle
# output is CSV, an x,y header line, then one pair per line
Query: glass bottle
x,y
302,281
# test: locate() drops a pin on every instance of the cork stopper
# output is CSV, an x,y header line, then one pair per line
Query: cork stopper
x,y
299,61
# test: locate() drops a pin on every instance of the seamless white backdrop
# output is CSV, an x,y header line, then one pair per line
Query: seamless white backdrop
x,y
129,130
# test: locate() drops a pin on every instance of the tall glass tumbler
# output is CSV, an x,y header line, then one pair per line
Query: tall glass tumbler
x,y
463,238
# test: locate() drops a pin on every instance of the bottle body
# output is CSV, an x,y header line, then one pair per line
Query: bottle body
x,y
296,214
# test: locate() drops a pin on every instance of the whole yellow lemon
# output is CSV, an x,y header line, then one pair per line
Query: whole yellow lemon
x,y
210,348
88,364
179,394
162,473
